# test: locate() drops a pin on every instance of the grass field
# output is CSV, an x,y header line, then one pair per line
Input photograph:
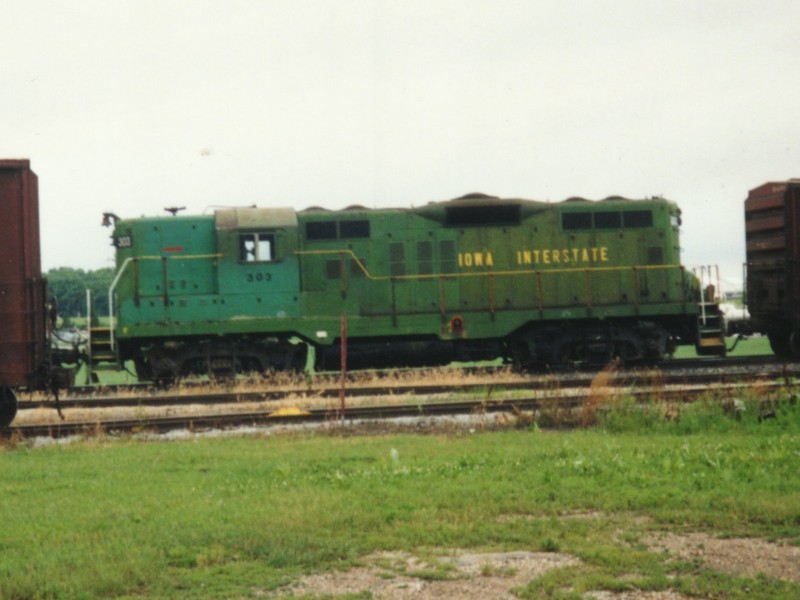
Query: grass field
x,y
241,517
752,346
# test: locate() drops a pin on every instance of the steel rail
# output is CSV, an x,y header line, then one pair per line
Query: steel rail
x,y
375,413
667,366
620,380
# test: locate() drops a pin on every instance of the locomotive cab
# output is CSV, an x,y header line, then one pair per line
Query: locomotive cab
x,y
193,293
257,258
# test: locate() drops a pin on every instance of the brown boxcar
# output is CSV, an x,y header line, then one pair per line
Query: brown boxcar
x,y
23,292
772,232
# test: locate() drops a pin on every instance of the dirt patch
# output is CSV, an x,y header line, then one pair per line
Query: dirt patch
x,y
399,576
473,576
575,515
739,556
637,595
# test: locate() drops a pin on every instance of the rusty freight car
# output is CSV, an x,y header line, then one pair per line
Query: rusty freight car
x,y
772,233
23,291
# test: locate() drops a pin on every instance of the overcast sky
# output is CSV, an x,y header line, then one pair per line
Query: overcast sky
x,y
130,106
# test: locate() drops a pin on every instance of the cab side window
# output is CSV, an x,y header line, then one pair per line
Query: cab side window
x,y
257,247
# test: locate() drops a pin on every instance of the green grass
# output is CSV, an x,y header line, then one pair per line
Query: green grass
x,y
752,346
108,375
227,518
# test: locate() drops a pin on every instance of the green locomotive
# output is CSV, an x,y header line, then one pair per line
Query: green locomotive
x,y
474,278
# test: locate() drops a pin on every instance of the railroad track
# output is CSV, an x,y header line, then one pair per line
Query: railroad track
x,y
621,379
667,366
770,362
265,418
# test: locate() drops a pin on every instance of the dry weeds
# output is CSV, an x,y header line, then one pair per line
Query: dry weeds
x,y
301,394
601,394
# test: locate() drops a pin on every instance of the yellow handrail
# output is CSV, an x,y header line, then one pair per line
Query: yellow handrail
x,y
177,257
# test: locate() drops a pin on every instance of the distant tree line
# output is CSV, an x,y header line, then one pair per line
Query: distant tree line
x,y
69,286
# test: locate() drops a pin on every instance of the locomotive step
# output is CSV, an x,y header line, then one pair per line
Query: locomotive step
x,y
100,349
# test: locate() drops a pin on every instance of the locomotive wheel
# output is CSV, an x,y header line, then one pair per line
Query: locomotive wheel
x,y
143,371
598,351
223,369
794,343
164,371
8,406
520,353
562,354
780,342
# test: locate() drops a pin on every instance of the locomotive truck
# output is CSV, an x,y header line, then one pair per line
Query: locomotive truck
x,y
474,278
